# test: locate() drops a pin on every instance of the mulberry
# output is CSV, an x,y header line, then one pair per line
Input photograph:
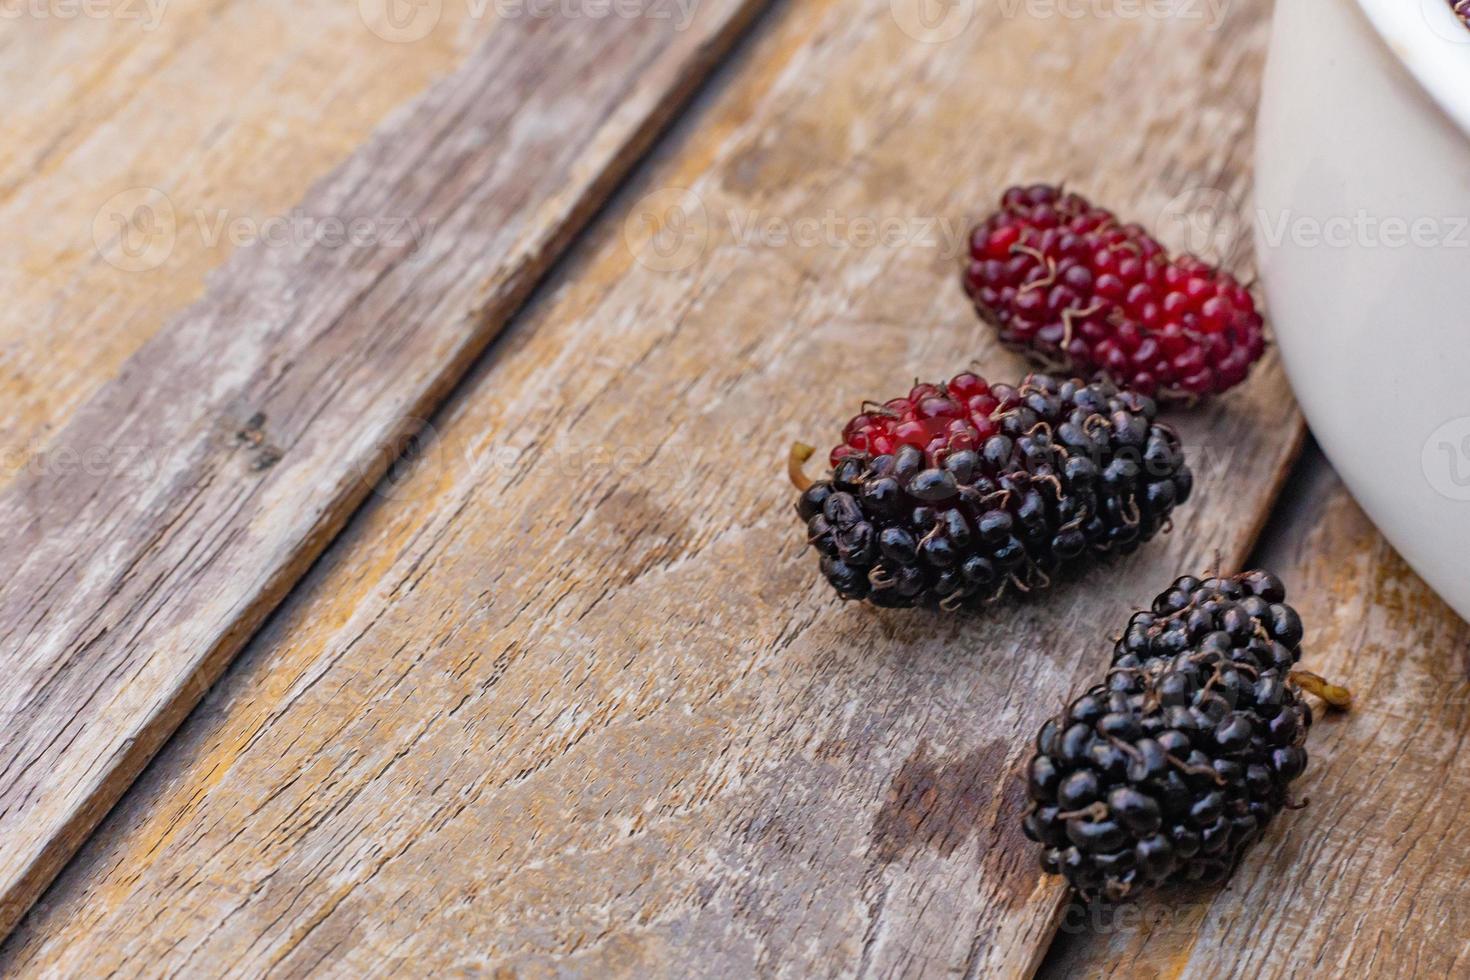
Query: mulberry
x,y
1067,284
964,492
1171,767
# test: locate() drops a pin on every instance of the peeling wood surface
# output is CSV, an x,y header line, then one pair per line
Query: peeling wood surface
x,y
232,446
228,111
568,696
1369,879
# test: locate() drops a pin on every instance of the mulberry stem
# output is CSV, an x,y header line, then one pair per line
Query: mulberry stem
x,y
1333,694
1095,812
800,453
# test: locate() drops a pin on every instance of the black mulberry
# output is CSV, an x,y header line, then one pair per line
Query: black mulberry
x,y
1167,770
964,492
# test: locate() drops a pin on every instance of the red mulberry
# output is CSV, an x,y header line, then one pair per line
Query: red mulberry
x,y
1066,283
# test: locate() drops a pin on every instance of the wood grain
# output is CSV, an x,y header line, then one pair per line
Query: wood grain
x,y
1369,879
186,497
229,111
573,700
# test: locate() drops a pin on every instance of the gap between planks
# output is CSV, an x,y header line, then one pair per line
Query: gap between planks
x,y
262,416
520,668
214,121
1367,879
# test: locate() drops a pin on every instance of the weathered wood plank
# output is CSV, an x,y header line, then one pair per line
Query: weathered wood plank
x,y
230,111
573,700
234,444
1369,879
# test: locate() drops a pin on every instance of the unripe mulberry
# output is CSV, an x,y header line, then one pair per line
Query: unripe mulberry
x,y
1171,767
963,492
1069,285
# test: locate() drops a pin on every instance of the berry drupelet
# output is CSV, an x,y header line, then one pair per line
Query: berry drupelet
x,y
1066,283
1168,769
963,492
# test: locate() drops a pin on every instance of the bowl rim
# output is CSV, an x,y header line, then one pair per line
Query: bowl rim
x,y
1433,44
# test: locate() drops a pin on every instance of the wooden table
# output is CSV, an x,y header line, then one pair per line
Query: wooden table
x,y
557,690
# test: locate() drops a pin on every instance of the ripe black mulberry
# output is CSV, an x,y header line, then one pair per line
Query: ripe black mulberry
x,y
1171,767
962,493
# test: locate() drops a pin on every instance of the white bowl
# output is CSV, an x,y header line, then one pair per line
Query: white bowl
x,y
1362,229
